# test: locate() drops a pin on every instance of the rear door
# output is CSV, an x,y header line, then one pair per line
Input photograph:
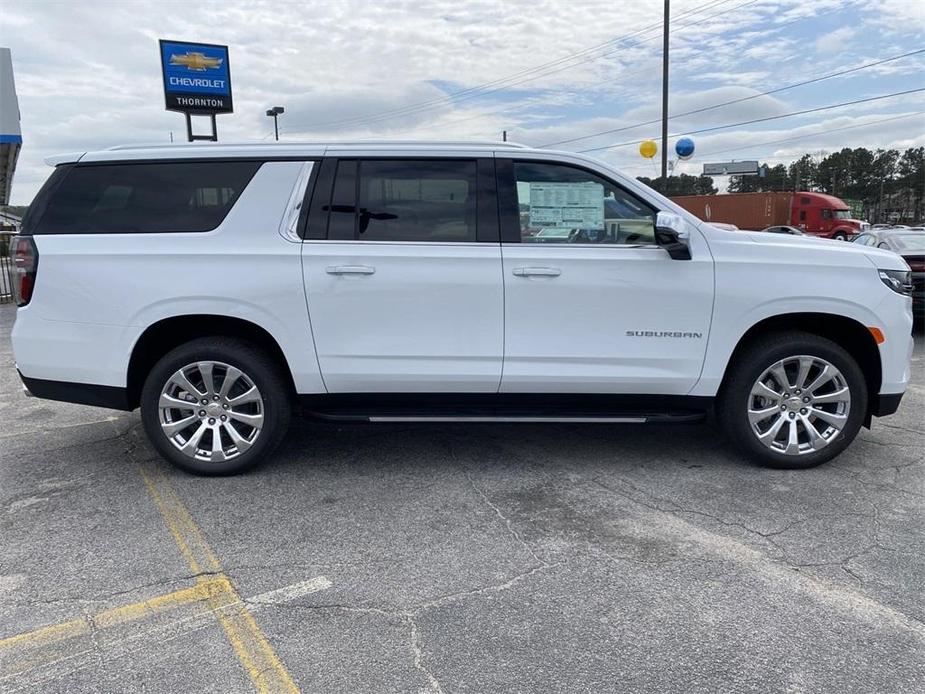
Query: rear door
x,y
402,268
592,304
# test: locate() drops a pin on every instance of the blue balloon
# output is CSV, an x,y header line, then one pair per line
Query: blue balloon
x,y
685,148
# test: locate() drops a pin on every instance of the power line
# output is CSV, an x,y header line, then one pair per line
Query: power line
x,y
511,80
624,76
804,136
765,119
814,80
821,132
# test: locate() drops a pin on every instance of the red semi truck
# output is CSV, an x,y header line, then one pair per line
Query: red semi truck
x,y
816,214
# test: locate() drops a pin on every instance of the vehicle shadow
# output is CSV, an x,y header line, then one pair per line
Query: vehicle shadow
x,y
473,446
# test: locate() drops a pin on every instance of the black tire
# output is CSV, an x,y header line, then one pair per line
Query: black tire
x,y
734,397
256,365
840,236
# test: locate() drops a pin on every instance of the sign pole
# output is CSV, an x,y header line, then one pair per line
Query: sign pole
x,y
190,137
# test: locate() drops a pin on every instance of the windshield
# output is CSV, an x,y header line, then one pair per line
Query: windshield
x,y
842,214
909,242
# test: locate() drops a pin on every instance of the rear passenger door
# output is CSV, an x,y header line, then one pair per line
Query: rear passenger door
x,y
402,267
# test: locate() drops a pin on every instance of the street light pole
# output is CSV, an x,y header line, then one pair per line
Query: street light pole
x,y
274,114
665,97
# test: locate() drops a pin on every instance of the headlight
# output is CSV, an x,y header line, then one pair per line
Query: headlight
x,y
900,281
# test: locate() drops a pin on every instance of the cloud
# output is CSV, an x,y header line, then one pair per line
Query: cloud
x,y
836,41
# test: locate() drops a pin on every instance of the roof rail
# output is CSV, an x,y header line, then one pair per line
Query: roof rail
x,y
289,143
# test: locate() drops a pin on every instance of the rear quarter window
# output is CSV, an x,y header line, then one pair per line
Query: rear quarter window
x,y
141,198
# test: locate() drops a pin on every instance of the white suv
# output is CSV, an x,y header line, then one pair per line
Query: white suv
x,y
219,287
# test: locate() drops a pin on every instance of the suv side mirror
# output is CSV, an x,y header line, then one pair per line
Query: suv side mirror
x,y
671,234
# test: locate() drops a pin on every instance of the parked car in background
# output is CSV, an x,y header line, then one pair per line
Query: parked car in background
x,y
219,287
784,230
817,214
910,245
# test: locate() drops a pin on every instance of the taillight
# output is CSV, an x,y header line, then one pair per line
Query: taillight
x,y
25,257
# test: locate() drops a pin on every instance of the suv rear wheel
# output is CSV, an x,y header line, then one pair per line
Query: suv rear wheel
x,y
215,406
793,400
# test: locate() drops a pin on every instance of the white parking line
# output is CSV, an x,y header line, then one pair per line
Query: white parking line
x,y
290,593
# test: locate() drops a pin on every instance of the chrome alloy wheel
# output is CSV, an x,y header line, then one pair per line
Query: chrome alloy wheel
x,y
211,411
799,405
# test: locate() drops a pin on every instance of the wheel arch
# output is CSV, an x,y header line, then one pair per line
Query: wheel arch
x,y
848,333
166,334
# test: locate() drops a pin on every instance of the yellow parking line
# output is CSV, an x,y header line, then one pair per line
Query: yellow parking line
x,y
251,646
202,591
45,635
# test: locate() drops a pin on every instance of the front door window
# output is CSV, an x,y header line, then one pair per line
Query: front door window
x,y
560,204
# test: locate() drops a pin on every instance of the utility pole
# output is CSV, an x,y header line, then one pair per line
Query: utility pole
x,y
504,135
880,203
665,96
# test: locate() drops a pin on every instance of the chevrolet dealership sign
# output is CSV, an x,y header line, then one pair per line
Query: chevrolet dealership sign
x,y
197,77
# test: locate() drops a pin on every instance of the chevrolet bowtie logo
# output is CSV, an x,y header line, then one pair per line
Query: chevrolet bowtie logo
x,y
194,60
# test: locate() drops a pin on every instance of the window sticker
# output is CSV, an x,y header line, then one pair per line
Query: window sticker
x,y
567,205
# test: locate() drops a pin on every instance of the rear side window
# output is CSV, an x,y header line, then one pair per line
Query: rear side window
x,y
406,200
142,198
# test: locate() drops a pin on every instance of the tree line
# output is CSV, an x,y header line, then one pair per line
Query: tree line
x,y
882,185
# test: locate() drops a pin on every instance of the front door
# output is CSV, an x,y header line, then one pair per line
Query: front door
x,y
403,276
592,304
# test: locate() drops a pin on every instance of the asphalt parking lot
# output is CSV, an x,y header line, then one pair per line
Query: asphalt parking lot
x,y
479,558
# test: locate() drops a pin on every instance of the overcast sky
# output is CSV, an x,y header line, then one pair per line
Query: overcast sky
x,y
88,77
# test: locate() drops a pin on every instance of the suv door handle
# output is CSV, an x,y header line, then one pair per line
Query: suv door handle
x,y
350,270
537,271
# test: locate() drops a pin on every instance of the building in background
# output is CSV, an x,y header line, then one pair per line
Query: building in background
x,y
10,133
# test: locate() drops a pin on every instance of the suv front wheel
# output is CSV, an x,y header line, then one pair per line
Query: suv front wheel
x,y
215,406
793,400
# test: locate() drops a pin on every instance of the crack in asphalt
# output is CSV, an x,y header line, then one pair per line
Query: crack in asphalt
x,y
920,432
105,597
507,521
820,588
655,501
784,555
434,683
409,616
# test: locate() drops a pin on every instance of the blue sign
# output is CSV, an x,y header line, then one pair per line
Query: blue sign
x,y
197,77
684,147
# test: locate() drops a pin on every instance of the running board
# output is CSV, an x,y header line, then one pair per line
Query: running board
x,y
661,418
505,408
506,419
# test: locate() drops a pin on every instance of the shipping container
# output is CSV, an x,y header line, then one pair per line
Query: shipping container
x,y
816,214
